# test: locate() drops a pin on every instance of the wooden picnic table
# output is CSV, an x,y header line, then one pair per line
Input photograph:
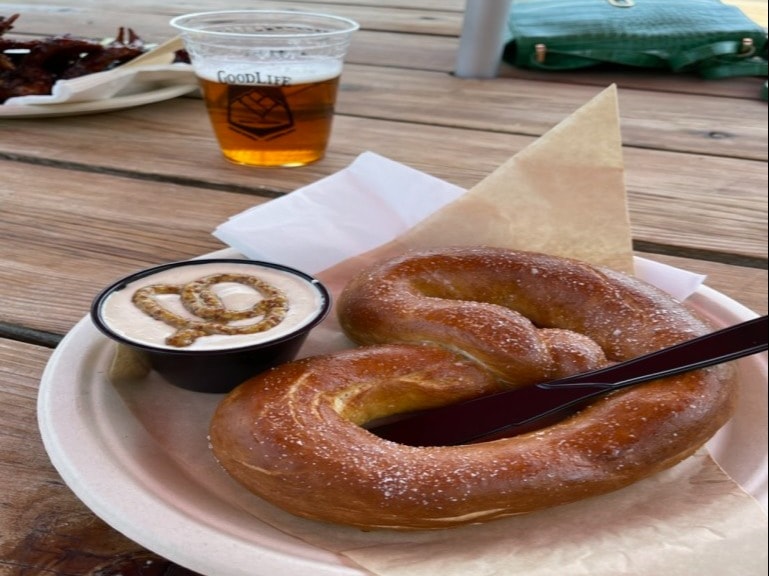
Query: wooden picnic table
x,y
85,199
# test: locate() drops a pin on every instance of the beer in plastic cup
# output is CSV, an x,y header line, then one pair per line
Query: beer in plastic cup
x,y
269,79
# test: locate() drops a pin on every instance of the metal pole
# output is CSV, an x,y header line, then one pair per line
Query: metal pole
x,y
482,39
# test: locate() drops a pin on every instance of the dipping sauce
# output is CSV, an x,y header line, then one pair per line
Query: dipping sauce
x,y
207,325
212,306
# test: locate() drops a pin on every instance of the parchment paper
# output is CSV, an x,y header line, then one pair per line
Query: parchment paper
x,y
691,519
564,194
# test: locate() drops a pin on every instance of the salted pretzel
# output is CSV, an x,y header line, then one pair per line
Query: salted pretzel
x,y
444,325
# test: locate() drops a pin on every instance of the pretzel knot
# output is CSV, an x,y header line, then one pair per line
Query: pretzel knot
x,y
210,314
442,325
481,310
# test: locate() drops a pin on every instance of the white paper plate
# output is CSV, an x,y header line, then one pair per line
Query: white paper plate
x,y
96,106
115,467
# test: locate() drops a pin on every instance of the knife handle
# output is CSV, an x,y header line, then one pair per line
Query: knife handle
x,y
717,347
525,409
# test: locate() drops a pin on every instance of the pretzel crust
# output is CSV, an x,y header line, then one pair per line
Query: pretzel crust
x,y
293,435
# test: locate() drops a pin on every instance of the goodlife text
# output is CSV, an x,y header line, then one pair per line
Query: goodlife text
x,y
246,78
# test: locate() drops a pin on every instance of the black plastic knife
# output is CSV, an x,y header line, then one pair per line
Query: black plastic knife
x,y
524,409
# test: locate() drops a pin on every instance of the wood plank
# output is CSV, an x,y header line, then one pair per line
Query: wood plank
x,y
97,19
702,124
64,243
436,5
57,260
707,193
711,203
755,9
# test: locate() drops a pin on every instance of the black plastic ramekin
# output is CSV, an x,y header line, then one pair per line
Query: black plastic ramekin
x,y
222,369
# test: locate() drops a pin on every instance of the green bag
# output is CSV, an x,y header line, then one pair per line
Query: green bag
x,y
705,36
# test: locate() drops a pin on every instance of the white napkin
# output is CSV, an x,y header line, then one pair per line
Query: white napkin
x,y
121,81
361,207
676,282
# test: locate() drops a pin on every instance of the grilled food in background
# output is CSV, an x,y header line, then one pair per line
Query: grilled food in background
x,y
32,67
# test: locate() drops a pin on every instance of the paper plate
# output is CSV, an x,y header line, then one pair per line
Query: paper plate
x,y
117,469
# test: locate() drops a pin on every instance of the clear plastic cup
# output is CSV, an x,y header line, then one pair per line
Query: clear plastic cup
x,y
269,79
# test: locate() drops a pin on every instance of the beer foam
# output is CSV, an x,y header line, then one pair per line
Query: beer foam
x,y
285,73
125,319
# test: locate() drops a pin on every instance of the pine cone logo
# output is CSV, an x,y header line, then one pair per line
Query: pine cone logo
x,y
259,111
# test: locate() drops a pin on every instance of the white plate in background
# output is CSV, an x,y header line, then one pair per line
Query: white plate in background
x,y
94,106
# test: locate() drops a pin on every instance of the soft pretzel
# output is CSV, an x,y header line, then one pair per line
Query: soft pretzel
x,y
446,325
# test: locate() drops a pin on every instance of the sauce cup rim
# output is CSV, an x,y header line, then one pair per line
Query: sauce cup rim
x,y
102,326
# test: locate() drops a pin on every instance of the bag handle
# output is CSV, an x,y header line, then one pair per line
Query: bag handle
x,y
752,67
736,49
716,60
